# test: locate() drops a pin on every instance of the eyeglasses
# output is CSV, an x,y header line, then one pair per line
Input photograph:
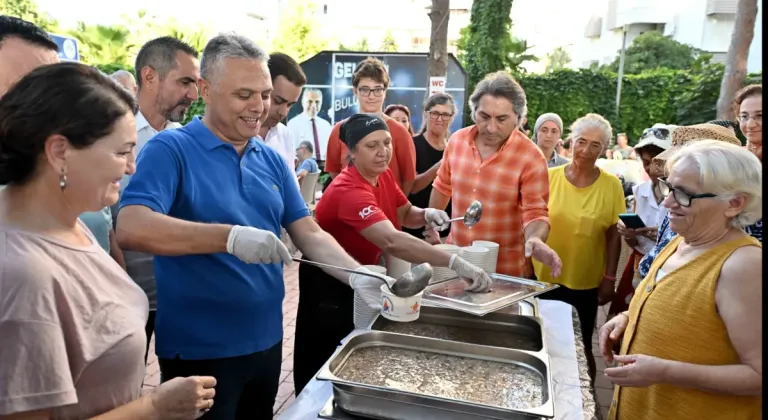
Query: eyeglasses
x,y
682,197
366,91
445,116
659,133
744,118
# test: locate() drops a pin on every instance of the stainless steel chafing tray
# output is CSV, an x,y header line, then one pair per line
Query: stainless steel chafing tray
x,y
382,402
506,291
496,329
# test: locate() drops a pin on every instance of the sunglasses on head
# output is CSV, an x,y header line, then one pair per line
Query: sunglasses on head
x,y
658,132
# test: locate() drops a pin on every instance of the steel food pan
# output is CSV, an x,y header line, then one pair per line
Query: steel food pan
x,y
496,329
390,403
506,291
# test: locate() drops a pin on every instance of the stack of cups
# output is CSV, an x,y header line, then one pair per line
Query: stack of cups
x,y
493,255
475,254
363,315
444,273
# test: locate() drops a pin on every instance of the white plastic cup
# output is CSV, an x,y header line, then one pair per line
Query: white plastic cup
x,y
400,309
492,258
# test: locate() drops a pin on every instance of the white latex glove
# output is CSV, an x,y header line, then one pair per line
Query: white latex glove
x,y
436,219
369,288
477,277
256,246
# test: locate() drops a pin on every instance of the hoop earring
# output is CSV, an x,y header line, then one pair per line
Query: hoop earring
x,y
62,181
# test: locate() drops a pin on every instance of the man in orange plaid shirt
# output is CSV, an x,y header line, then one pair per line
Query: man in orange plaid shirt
x,y
495,163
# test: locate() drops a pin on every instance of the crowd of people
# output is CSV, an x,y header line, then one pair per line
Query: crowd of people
x,y
118,224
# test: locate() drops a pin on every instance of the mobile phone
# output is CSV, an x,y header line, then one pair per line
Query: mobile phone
x,y
632,221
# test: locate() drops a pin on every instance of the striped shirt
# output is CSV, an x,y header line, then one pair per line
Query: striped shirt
x,y
512,185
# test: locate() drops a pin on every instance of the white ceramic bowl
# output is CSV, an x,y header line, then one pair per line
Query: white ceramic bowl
x,y
400,309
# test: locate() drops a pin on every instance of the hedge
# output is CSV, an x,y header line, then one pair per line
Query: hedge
x,y
680,97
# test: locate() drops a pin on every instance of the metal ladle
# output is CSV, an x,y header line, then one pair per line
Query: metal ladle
x,y
472,215
409,284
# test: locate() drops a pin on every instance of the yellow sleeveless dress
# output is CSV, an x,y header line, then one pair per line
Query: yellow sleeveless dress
x,y
677,319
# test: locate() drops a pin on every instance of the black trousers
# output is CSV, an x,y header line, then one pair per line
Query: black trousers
x,y
246,386
149,329
324,318
585,303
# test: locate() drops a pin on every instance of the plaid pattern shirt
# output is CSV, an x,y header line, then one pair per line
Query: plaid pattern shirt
x,y
512,185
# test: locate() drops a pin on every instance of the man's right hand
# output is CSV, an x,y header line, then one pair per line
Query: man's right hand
x,y
256,246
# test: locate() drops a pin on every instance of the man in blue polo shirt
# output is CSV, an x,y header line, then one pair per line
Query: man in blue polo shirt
x,y
208,201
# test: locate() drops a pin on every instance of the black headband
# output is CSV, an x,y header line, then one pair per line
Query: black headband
x,y
358,126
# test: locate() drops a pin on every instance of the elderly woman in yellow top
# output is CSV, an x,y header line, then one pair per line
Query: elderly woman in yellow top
x,y
692,338
584,207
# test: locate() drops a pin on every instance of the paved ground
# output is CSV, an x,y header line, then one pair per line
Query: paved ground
x,y
285,392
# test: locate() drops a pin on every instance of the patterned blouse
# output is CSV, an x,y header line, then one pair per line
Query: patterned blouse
x,y
666,234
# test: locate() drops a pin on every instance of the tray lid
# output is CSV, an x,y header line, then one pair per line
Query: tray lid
x,y
506,291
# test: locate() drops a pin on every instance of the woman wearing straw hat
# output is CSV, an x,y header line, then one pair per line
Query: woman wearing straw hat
x,y
364,210
647,205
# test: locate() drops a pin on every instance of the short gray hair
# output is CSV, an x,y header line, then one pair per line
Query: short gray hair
x,y
595,121
726,170
501,85
122,74
230,45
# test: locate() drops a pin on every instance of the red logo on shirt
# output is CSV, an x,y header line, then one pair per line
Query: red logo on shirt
x,y
367,212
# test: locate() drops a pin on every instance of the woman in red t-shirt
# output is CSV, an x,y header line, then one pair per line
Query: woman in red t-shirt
x,y
364,210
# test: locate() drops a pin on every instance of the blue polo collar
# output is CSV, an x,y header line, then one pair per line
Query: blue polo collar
x,y
210,141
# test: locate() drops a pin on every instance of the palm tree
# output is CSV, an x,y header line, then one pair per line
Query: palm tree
x,y
101,44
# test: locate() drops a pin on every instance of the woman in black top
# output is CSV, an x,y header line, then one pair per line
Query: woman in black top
x,y
439,111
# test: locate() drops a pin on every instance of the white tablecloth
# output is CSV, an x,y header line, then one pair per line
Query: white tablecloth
x,y
558,329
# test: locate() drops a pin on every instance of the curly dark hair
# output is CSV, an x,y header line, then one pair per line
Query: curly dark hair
x,y
70,99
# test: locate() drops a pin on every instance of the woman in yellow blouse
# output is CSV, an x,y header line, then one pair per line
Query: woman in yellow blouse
x,y
692,338
584,207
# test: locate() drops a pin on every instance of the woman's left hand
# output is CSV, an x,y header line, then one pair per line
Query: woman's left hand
x,y
607,291
637,370
436,219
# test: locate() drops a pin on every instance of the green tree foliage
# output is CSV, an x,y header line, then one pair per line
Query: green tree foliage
x,y
487,44
680,97
388,44
298,34
557,60
652,50
102,44
28,10
360,46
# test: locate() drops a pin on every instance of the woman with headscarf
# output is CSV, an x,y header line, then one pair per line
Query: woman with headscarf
x,y
439,111
364,210
546,134
691,342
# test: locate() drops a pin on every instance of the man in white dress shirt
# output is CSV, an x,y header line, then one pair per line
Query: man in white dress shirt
x,y
308,126
287,81
167,71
